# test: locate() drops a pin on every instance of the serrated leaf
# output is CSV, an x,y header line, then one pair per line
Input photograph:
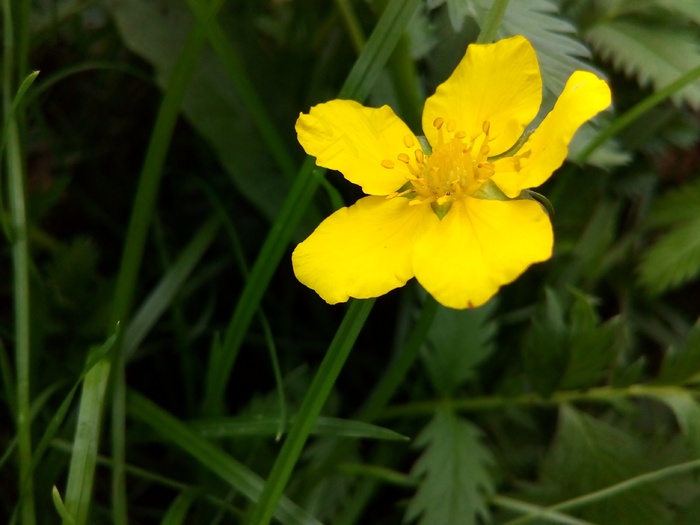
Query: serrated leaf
x,y
588,454
687,413
545,346
686,8
559,51
674,259
453,474
676,205
458,340
680,364
568,350
655,55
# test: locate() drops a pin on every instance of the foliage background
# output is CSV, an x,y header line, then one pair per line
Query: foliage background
x,y
571,395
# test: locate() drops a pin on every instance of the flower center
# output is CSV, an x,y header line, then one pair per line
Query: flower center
x,y
457,166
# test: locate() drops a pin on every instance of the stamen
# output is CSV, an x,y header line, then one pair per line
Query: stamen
x,y
438,122
419,156
486,126
460,134
403,158
408,141
388,164
451,125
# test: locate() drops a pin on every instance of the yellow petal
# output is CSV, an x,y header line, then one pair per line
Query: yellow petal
x,y
584,96
499,83
362,251
479,246
346,136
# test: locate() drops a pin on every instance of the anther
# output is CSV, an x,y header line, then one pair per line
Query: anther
x,y
419,156
403,158
486,126
484,150
408,141
388,164
438,122
460,134
451,125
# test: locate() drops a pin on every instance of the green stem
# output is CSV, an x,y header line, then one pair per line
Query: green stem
x,y
541,512
478,404
352,24
611,491
314,400
15,49
357,86
398,368
493,20
631,115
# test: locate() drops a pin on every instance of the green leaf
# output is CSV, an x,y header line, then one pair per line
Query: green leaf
x,y
687,413
245,426
210,105
211,457
675,258
655,55
593,346
588,454
682,363
60,507
545,346
457,341
454,481
177,512
568,350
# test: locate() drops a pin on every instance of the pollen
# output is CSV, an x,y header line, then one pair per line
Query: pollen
x,y
456,167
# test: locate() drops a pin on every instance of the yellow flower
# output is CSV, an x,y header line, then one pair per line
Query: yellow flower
x,y
439,215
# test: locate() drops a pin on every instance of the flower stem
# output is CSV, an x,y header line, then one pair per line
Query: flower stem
x,y
493,20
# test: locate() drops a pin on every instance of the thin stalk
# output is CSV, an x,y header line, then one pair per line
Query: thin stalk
x,y
357,86
314,400
635,112
493,20
352,24
142,213
399,366
15,49
541,512
478,404
612,490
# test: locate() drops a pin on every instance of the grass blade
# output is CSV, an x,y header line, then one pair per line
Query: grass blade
x,y
357,86
314,400
167,288
211,456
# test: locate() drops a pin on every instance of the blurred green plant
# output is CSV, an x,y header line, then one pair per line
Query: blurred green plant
x,y
167,396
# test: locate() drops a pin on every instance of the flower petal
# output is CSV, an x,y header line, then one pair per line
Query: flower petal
x,y
362,251
479,246
344,135
583,97
499,83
